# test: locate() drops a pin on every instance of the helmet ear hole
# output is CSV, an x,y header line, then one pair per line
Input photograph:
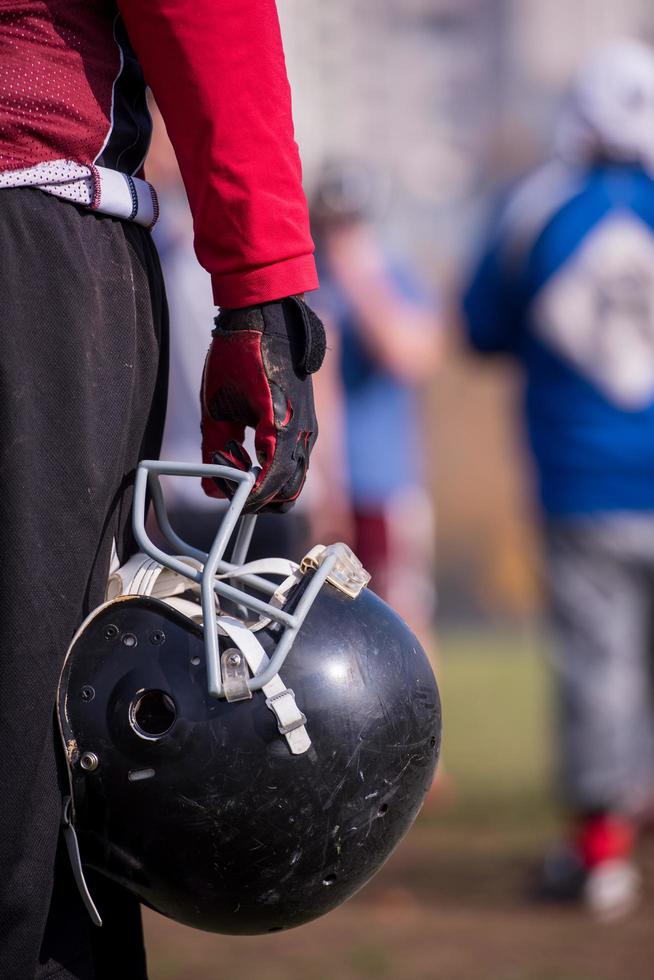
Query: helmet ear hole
x,y
152,714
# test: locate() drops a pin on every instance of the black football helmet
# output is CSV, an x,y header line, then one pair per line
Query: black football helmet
x,y
244,754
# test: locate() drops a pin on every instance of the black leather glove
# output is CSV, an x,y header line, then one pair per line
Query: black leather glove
x,y
258,374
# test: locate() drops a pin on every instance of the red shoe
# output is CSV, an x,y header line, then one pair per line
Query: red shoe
x,y
604,837
605,843
594,868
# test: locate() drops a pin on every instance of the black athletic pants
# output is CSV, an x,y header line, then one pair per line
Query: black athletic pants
x,y
82,399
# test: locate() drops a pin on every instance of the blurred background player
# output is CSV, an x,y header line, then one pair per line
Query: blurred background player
x,y
567,288
384,335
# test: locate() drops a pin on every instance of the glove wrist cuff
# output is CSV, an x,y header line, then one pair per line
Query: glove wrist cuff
x,y
288,319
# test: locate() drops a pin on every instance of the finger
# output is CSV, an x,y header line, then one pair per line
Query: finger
x,y
232,454
278,489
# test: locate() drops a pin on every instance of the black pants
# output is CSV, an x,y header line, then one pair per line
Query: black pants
x,y
82,399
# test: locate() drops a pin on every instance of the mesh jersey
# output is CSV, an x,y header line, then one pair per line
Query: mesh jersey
x,y
73,114
70,87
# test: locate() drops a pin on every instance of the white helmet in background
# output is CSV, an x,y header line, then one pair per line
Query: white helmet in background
x,y
610,110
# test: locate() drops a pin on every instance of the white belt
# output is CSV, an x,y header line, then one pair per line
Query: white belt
x,y
98,188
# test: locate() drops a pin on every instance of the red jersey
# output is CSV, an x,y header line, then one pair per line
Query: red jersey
x,y
73,109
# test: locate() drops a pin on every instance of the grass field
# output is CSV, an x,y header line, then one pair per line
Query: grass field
x,y
451,903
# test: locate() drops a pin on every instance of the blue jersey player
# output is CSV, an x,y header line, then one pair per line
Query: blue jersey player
x,y
566,288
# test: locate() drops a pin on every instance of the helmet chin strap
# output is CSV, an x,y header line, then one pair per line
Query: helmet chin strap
x,y
279,698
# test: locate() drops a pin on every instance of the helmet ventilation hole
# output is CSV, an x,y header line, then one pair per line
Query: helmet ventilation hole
x,y
383,810
152,714
329,879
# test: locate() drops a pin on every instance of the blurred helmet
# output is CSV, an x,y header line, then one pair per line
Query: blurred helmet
x,y
610,109
243,753
346,191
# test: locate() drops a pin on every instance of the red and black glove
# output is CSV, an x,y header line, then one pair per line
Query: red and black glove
x,y
258,374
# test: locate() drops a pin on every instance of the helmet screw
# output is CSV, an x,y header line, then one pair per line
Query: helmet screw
x,y
87,693
234,659
89,761
110,632
157,637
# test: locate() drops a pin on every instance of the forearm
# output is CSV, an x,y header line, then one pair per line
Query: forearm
x,y
401,335
404,339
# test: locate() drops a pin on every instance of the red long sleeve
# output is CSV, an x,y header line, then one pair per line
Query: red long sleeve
x,y
217,70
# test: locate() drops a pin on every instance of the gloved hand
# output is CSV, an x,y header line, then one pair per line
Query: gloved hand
x,y
258,374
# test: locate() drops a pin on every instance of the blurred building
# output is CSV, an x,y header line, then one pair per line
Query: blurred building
x,y
448,97
410,85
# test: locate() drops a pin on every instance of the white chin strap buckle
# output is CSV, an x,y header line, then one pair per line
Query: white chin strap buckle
x,y
289,716
279,699
347,575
